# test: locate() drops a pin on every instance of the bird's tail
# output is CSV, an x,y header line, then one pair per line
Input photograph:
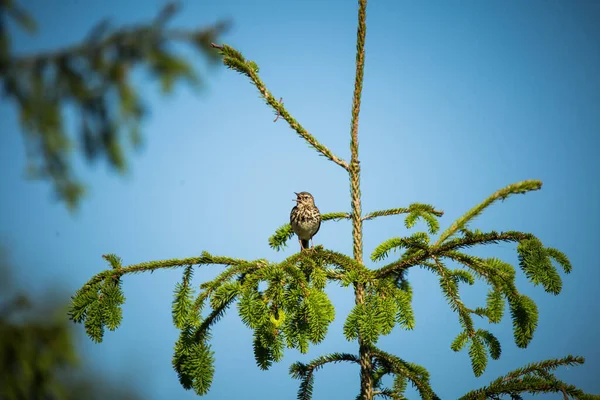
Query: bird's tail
x,y
305,244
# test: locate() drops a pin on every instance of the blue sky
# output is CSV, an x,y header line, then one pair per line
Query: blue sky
x,y
460,99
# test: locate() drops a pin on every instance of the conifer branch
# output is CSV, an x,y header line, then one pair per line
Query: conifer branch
x,y
208,288
284,233
236,61
417,375
534,259
439,250
213,318
98,303
471,239
388,393
204,259
193,361
327,257
450,288
124,37
520,187
546,365
184,293
492,274
419,241
305,372
501,276
533,378
406,210
414,211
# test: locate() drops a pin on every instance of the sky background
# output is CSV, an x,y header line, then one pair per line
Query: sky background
x,y
460,99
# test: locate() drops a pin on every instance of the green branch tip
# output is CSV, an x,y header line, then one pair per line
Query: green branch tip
x,y
305,372
415,207
534,378
502,194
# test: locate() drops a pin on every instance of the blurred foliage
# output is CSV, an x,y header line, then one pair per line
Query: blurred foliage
x,y
93,77
38,358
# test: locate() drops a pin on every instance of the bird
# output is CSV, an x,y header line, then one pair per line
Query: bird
x,y
305,219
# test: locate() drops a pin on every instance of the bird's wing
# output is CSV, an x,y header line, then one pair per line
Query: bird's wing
x,y
318,227
292,213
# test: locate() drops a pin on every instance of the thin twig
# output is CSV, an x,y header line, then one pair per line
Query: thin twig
x,y
395,211
278,114
442,250
204,259
234,60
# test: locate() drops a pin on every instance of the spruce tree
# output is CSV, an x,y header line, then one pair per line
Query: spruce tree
x,y
285,303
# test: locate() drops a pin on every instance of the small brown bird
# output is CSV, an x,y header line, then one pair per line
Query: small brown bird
x,y
305,219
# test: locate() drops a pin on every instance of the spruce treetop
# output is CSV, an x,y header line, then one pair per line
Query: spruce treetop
x,y
285,304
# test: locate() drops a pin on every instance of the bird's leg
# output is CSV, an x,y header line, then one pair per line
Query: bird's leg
x,y
301,247
312,243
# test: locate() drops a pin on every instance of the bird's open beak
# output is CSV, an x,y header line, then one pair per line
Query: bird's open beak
x,y
296,199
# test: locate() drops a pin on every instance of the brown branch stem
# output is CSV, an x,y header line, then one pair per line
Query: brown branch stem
x,y
234,60
395,211
151,266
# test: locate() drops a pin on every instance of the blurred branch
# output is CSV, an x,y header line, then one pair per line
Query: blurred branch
x,y
95,78
15,304
39,359
127,37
